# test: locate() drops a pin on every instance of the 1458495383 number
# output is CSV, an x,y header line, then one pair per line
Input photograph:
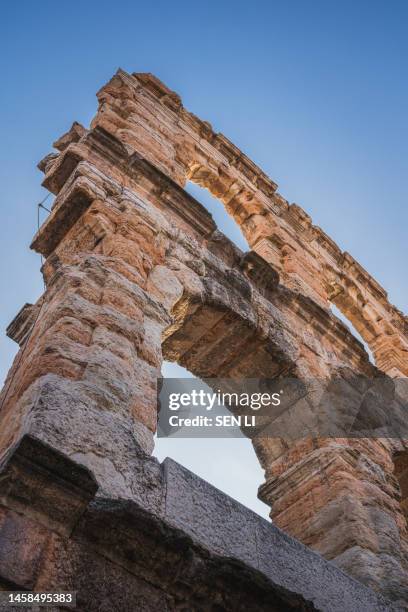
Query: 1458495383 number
x,y
40,598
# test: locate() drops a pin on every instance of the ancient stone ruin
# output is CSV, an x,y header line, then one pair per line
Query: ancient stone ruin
x,y
136,271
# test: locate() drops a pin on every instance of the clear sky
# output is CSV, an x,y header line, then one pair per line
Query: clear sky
x,y
314,92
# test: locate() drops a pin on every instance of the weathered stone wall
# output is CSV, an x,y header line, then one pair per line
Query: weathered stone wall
x,y
150,118
136,270
180,544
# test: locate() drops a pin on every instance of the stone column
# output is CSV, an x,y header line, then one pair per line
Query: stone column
x,y
84,381
340,497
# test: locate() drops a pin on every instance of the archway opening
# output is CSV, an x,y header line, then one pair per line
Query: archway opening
x,y
343,318
230,464
226,224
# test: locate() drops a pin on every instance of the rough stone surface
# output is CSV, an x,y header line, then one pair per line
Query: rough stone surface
x,y
197,549
137,271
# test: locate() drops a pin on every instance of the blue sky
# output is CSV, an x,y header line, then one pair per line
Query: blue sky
x,y
315,92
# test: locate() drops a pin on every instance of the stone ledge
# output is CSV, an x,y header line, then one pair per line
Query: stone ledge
x,y
20,327
196,537
149,548
38,481
227,528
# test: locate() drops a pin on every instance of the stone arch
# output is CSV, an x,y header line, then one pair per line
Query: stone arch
x,y
239,199
353,301
360,299
121,229
347,285
213,337
340,288
223,219
217,332
134,107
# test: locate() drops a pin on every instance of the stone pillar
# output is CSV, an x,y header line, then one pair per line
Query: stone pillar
x,y
84,381
340,497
